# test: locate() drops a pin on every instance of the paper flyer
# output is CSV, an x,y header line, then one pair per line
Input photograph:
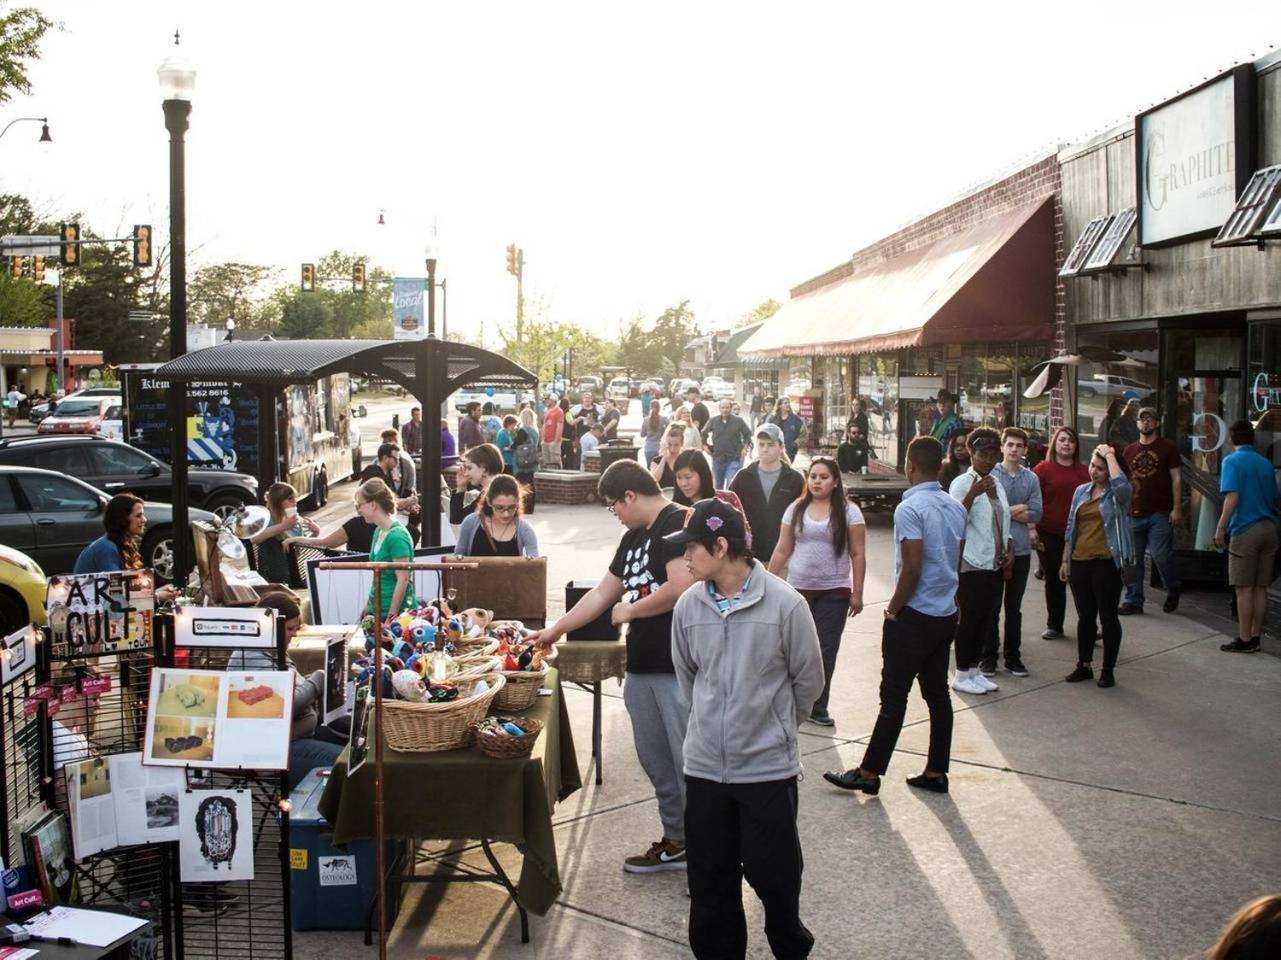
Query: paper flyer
x,y
92,806
17,654
215,839
146,800
210,718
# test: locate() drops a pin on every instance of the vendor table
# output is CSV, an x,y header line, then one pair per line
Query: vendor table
x,y
307,649
589,663
464,795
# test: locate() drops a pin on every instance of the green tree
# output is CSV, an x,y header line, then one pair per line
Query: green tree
x,y
759,314
545,341
644,347
24,303
307,317
223,291
21,31
102,293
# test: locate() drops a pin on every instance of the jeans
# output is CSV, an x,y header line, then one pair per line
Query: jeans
x,y
307,754
829,608
1152,531
723,470
1014,589
1055,589
913,647
1096,589
737,830
978,594
659,713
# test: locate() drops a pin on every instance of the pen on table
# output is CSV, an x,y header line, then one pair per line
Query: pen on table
x,y
60,941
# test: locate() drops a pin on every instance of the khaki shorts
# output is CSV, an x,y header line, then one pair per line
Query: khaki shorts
x,y
1251,554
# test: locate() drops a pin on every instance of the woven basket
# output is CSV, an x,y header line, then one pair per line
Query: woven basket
x,y
522,686
477,664
503,745
465,646
430,727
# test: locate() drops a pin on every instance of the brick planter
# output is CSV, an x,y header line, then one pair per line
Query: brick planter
x,y
565,486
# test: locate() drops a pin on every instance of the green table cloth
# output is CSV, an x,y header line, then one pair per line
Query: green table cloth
x,y
464,795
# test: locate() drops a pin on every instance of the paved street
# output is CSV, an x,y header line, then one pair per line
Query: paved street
x,y
1081,823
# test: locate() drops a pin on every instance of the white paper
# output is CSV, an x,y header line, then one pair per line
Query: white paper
x,y
209,718
340,596
335,703
224,627
216,836
92,806
96,928
18,654
146,800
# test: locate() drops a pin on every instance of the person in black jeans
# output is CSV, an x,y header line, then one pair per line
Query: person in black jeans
x,y
766,487
1098,544
929,535
1023,493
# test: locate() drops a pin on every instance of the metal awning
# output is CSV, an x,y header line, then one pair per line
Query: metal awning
x,y
992,282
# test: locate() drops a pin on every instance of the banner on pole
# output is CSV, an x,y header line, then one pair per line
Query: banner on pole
x,y
408,305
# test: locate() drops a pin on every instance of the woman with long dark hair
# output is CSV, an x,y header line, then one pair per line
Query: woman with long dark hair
x,y
694,482
124,522
497,528
652,428
1060,473
957,460
823,544
1097,545
476,468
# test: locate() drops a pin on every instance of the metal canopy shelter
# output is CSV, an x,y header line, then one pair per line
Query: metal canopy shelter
x,y
429,369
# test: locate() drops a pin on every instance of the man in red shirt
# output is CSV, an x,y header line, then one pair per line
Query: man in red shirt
x,y
553,433
1156,474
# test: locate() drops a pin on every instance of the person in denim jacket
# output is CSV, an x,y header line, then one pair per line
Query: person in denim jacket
x,y
1098,543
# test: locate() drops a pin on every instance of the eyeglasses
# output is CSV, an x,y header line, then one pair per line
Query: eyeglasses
x,y
610,507
497,509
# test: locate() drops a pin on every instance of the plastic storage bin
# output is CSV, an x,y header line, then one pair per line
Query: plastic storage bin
x,y
331,889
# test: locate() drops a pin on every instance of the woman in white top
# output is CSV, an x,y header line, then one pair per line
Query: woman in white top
x,y
693,440
823,545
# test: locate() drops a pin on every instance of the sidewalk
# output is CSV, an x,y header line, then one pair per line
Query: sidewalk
x,y
1116,823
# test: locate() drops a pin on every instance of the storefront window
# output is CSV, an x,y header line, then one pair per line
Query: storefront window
x,y
1034,414
878,385
1108,396
923,362
987,385
836,398
1263,383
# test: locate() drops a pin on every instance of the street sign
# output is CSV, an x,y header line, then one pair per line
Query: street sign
x,y
31,245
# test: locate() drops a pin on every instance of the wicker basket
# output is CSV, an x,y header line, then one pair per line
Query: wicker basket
x,y
430,727
476,664
503,745
466,646
522,686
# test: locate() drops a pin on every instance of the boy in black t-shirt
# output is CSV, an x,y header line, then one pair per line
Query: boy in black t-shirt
x,y
645,579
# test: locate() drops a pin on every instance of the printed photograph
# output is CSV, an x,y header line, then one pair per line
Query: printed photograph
x,y
257,696
179,739
187,695
95,779
162,809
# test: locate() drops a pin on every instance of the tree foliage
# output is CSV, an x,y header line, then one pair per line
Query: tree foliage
x,y
759,314
346,313
101,295
21,31
307,317
544,342
644,347
234,291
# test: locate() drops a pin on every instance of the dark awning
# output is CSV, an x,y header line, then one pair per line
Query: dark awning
x,y
991,282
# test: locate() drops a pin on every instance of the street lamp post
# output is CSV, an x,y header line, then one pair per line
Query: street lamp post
x,y
177,83
44,130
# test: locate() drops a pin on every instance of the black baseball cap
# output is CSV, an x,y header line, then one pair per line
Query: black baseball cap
x,y
709,519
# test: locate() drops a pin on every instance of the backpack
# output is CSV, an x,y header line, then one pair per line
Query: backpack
x,y
525,453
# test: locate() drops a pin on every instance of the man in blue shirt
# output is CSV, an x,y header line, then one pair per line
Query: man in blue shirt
x,y
929,538
1249,486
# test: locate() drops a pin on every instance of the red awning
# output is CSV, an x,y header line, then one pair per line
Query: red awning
x,y
991,283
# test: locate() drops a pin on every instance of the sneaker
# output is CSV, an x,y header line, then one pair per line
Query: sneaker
x,y
1049,633
1171,603
1240,646
663,855
988,668
822,720
987,685
1016,668
966,681
1128,609
1079,674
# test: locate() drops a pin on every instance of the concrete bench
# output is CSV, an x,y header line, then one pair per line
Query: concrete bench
x,y
566,486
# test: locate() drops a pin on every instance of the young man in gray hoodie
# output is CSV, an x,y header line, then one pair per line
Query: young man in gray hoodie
x,y
747,659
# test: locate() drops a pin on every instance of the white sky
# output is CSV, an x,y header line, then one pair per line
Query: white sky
x,y
640,155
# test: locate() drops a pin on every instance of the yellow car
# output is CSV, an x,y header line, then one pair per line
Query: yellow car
x,y
22,591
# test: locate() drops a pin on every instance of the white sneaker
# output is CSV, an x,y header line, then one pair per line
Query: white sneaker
x,y
987,685
965,681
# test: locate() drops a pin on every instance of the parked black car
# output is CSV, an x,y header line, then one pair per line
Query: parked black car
x,y
116,467
51,518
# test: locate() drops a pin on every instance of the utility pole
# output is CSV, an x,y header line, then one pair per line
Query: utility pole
x,y
516,267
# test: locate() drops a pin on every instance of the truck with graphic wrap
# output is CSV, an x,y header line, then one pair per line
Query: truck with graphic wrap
x,y
309,448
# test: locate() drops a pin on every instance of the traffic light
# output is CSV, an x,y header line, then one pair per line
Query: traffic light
x,y
358,277
70,234
513,260
308,277
16,267
142,245
37,269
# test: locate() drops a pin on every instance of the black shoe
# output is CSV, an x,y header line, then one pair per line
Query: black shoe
x,y
988,668
1171,603
1128,609
1079,674
822,720
1106,679
1039,573
1016,668
851,780
933,784
1241,646
1051,633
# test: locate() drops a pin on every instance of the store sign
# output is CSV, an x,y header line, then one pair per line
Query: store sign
x,y
1194,156
1266,396
408,306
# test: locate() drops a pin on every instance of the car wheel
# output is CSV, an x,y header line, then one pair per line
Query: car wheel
x,y
223,505
157,553
312,500
13,613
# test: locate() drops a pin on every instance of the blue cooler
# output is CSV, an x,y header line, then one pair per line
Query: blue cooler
x,y
331,889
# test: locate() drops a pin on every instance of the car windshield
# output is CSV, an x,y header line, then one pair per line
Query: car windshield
x,y
79,408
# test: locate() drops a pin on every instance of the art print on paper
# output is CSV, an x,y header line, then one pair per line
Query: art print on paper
x,y
215,838
212,718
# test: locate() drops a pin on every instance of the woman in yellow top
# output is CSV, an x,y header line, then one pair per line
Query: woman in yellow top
x,y
1097,546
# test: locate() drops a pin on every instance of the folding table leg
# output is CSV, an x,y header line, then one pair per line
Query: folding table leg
x,y
511,890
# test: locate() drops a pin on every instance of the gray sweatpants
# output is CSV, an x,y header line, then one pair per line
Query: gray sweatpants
x,y
660,713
